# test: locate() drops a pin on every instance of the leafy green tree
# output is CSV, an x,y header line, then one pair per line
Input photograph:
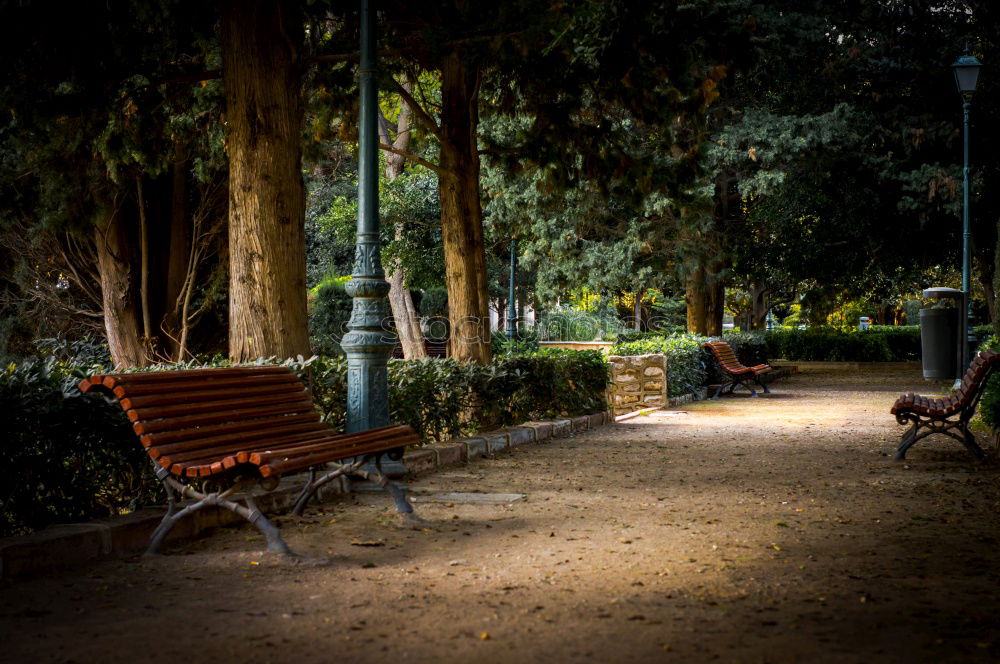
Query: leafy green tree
x,y
111,177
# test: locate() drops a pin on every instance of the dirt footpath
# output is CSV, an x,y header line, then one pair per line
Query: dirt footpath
x,y
742,530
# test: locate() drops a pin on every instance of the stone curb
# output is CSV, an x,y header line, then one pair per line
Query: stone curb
x,y
66,545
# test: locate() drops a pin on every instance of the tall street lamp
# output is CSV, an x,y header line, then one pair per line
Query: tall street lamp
x,y
367,344
966,70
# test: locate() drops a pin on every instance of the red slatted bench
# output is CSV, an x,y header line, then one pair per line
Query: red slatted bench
x,y
214,433
736,373
946,415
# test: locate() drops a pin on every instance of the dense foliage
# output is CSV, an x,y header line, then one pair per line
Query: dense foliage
x,y
67,457
75,457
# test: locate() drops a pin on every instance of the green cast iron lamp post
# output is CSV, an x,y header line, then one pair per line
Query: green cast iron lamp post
x,y
368,343
511,303
966,70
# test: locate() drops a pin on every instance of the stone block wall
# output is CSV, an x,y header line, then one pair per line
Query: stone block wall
x,y
637,381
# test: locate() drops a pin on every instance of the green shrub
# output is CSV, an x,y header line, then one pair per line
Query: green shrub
x,y
434,303
573,325
526,342
903,340
687,366
443,398
67,457
328,316
823,344
75,457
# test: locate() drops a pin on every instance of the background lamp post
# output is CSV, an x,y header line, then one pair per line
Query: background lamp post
x,y
966,70
511,301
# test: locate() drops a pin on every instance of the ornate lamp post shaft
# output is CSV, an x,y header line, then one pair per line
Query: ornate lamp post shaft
x,y
966,70
511,296
966,332
367,344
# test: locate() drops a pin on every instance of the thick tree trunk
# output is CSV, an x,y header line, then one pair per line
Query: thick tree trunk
x,y
119,290
696,297
261,75
461,213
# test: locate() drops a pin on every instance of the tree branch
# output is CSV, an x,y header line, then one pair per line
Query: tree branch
x,y
417,109
414,158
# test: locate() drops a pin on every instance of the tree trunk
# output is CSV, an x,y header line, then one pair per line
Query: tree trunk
x,y
115,264
696,297
758,307
261,75
461,214
179,244
714,308
637,311
404,313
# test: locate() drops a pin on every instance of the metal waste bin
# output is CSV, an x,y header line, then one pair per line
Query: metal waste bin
x,y
939,328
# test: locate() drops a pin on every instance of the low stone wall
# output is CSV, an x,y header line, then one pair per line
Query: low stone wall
x,y
637,381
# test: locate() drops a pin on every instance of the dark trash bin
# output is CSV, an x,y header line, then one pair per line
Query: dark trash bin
x,y
939,329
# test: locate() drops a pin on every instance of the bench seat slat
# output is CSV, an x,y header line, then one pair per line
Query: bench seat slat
x,y
261,457
203,436
189,454
122,389
281,410
290,460
205,396
291,465
232,402
222,436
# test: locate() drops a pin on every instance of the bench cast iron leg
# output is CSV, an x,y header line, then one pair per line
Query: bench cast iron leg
x,y
969,440
906,442
251,513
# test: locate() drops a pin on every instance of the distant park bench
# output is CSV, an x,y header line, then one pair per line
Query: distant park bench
x,y
734,372
946,415
215,433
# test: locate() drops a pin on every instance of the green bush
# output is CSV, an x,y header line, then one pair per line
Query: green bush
x,y
687,367
824,344
443,398
526,342
74,457
67,457
328,316
903,340
573,325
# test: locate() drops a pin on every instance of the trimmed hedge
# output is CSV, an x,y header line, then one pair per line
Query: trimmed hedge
x,y
687,365
68,457
75,456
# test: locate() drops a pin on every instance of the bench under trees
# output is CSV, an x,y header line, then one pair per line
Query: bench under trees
x,y
948,415
215,434
734,373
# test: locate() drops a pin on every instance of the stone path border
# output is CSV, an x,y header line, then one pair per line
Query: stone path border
x,y
66,545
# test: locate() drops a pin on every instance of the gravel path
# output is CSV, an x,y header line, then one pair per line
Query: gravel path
x,y
742,530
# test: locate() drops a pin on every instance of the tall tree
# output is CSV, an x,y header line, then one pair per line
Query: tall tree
x,y
109,167
261,57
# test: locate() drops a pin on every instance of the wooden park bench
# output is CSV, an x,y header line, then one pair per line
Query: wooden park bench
x,y
734,372
946,415
215,433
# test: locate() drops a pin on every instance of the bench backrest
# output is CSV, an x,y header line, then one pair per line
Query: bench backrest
x,y
974,380
726,357
210,411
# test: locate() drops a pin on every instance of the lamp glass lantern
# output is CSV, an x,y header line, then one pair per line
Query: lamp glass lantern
x,y
966,70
